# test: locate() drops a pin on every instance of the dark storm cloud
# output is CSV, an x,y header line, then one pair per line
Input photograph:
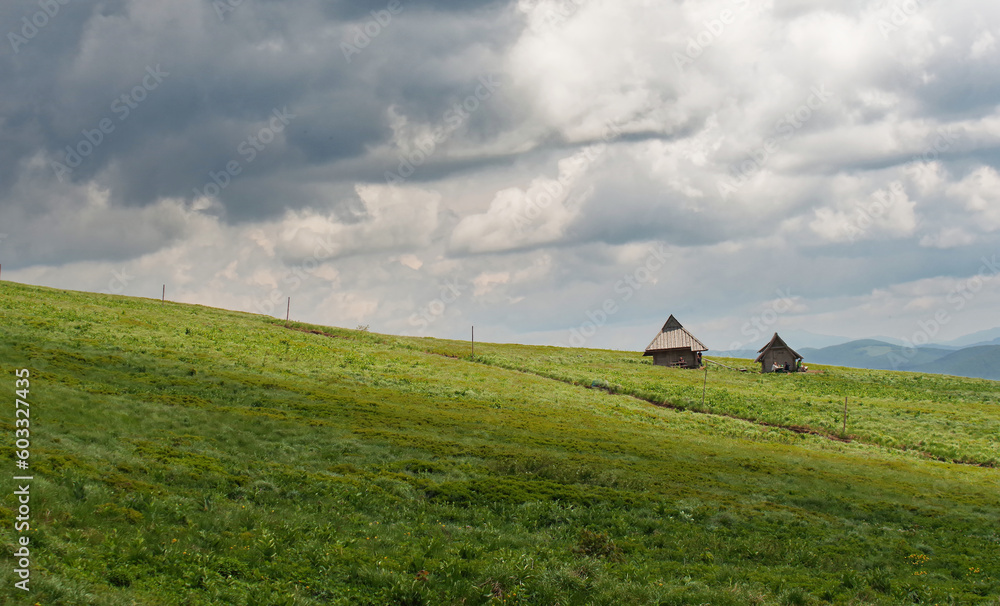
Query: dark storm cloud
x,y
30,56
221,81
353,10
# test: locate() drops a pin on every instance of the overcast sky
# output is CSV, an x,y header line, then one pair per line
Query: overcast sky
x,y
553,172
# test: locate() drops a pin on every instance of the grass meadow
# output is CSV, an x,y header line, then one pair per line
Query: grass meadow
x,y
189,455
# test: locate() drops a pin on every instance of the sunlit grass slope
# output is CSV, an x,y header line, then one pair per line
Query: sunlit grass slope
x,y
949,418
187,455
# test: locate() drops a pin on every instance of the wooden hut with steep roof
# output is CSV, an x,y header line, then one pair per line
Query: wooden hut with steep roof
x,y
675,346
778,356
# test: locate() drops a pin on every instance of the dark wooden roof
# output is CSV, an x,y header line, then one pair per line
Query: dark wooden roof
x,y
674,336
776,343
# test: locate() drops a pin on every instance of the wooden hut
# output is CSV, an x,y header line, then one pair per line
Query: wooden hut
x,y
675,346
777,355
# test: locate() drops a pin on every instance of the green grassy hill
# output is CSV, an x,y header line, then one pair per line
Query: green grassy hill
x,y
188,455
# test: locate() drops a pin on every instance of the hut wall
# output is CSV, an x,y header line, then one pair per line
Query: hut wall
x,y
679,357
779,356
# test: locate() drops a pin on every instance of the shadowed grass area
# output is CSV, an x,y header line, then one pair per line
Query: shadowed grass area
x,y
187,455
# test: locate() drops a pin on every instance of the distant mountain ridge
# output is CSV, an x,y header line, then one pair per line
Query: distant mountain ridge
x,y
874,354
982,361
982,337
977,361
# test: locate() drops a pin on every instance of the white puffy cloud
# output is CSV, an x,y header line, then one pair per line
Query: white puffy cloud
x,y
411,261
486,282
984,44
979,193
395,218
887,212
949,237
539,214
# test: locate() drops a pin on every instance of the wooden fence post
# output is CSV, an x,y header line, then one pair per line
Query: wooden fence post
x,y
704,387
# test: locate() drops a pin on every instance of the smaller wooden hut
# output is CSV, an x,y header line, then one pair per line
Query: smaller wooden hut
x,y
675,346
777,356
